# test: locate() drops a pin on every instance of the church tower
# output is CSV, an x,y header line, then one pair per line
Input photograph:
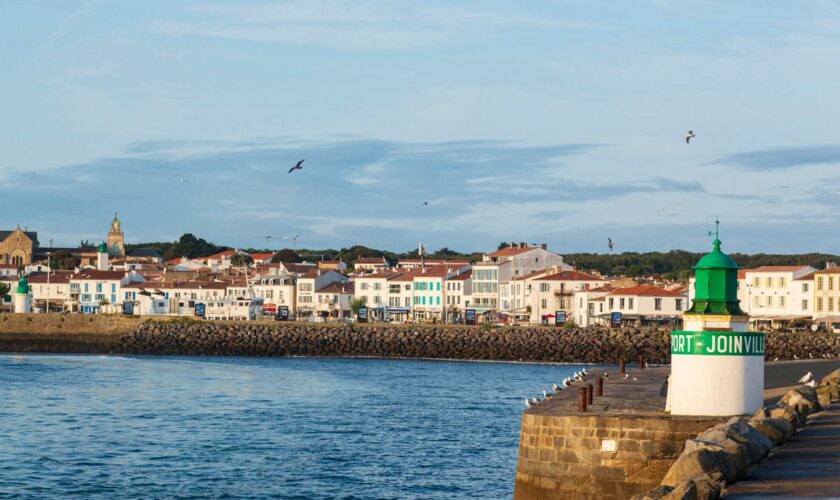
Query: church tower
x,y
116,244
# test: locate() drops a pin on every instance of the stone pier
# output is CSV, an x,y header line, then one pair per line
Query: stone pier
x,y
622,445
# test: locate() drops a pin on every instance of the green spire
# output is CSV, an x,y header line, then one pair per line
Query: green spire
x,y
23,285
103,248
716,283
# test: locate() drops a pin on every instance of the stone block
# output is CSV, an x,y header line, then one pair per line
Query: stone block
x,y
804,398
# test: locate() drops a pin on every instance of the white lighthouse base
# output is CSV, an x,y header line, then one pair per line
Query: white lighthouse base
x,y
716,385
22,303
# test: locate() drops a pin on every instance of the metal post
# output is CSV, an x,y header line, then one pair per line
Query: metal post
x,y
621,365
49,272
599,386
589,393
641,362
581,399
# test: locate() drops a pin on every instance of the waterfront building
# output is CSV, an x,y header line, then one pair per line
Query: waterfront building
x,y
376,291
717,367
116,239
239,309
400,296
644,305
90,289
826,296
173,298
371,264
590,306
554,291
276,291
17,247
409,264
308,284
9,270
458,294
774,296
333,300
52,289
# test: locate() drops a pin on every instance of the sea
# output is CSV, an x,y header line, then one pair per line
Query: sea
x,y
86,426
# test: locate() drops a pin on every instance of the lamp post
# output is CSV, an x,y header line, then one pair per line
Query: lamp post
x,y
49,271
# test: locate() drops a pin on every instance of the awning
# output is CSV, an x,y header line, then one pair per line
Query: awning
x,y
397,310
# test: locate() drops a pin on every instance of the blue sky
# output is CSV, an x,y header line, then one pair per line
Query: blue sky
x,y
544,121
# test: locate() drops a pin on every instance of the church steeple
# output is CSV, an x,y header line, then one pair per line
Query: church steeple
x,y
116,239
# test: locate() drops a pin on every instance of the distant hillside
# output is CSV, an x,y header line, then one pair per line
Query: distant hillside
x,y
675,264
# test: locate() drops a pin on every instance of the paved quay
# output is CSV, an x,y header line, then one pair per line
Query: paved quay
x,y
807,466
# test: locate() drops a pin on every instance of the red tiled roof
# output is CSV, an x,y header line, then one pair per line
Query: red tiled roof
x,y
261,256
371,260
530,275
806,276
570,276
95,274
463,276
511,251
226,253
55,277
192,285
646,291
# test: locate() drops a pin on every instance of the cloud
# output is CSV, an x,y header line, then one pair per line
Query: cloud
x,y
782,158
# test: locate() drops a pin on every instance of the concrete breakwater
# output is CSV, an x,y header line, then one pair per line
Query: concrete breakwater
x,y
116,334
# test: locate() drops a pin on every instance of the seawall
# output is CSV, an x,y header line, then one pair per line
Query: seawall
x,y
133,335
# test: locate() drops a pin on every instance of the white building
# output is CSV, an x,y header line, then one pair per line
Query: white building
x,y
308,283
371,264
174,298
555,291
90,289
645,305
333,300
375,290
53,289
276,291
776,295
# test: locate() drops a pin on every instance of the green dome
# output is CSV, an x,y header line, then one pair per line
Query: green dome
x,y
103,248
23,285
716,285
716,260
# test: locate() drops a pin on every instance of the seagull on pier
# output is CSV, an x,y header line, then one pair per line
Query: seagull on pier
x,y
606,374
567,381
298,166
527,403
556,388
795,356
626,376
635,379
689,135
546,395
776,358
583,371
812,383
806,378
534,400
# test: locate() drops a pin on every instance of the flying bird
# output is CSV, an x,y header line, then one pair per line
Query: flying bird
x,y
297,166
425,203
181,179
690,135
610,243
806,378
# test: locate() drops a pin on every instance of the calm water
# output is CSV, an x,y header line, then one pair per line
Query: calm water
x,y
107,426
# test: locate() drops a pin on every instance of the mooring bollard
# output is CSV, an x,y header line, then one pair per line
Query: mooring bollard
x,y
581,399
589,393
621,365
599,386
641,362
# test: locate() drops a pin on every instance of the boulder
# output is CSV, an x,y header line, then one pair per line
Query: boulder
x,y
708,486
826,394
781,411
832,378
736,432
804,398
705,458
683,491
656,493
778,431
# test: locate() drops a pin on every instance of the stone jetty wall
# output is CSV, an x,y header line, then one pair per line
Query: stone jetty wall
x,y
118,334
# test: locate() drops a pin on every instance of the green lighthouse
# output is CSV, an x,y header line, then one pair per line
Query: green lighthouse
x,y
716,284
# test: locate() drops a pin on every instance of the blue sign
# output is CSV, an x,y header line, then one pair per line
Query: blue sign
x,y
282,313
199,310
362,315
128,308
469,317
559,318
615,319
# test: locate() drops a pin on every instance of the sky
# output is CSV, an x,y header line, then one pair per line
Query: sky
x,y
558,122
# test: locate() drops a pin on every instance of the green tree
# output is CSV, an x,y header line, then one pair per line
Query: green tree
x,y
62,260
286,255
241,260
502,245
356,304
4,291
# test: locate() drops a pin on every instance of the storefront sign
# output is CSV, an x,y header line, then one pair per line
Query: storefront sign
x,y
362,315
199,310
282,313
128,308
559,318
615,319
469,317
718,343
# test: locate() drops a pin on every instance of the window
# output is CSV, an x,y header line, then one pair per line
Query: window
x,y
407,301
768,282
307,287
819,304
621,303
544,287
769,301
438,286
437,299
804,287
831,282
805,305
306,298
819,283
679,304
781,281
657,304
611,303
376,299
544,303
782,301
363,286
377,286
755,282
830,303
630,303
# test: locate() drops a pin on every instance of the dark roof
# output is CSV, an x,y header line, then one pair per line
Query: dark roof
x,y
33,235
145,252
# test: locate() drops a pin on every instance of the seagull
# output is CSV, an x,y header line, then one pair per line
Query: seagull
x,y
567,381
690,135
184,180
795,356
555,387
583,371
534,400
812,383
425,204
527,403
610,243
626,376
776,358
606,375
546,395
807,377
296,167
635,379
